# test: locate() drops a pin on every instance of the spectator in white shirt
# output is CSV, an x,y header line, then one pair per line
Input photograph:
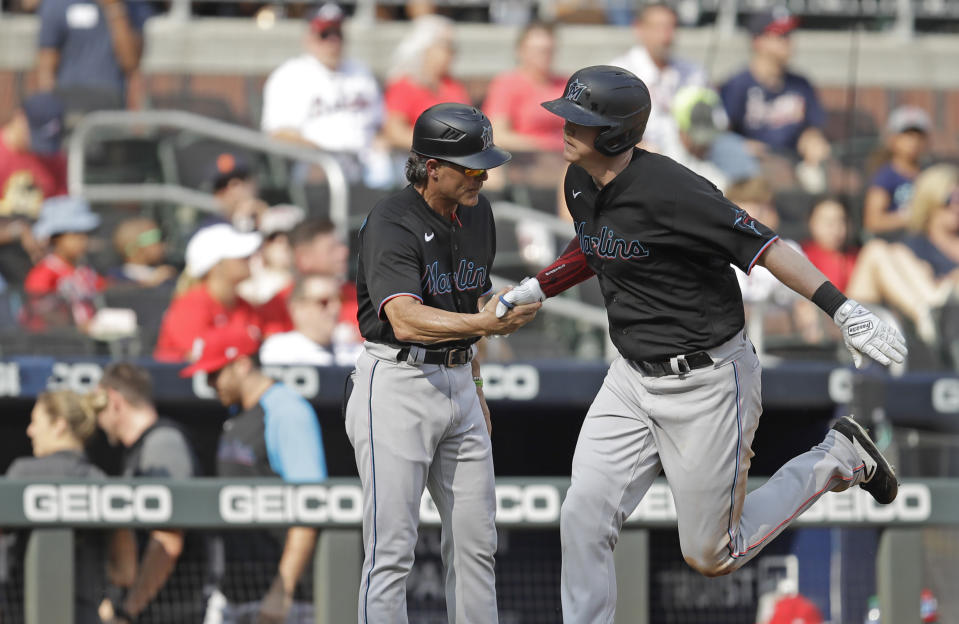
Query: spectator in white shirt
x,y
318,338
324,100
651,59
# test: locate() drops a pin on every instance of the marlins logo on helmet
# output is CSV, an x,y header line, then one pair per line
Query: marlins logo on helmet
x,y
575,90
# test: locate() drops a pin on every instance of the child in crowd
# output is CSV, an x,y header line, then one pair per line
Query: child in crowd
x,y
886,209
60,289
827,246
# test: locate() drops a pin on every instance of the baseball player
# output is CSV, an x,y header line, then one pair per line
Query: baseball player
x,y
684,395
416,415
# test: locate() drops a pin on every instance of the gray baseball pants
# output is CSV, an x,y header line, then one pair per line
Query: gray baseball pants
x,y
698,429
413,427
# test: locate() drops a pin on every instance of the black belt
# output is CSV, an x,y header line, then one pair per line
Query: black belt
x,y
454,356
675,365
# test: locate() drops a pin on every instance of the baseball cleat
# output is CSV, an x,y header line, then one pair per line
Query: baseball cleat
x,y
879,478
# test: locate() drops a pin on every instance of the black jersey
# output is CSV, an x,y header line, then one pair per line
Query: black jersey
x,y
164,451
407,248
661,239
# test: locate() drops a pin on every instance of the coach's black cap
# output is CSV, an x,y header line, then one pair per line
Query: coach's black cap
x,y
457,133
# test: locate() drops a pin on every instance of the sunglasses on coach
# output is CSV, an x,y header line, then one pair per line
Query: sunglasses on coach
x,y
471,173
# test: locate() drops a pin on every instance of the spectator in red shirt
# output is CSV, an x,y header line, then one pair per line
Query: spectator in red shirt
x,y
513,98
60,289
318,250
420,78
31,169
218,256
827,246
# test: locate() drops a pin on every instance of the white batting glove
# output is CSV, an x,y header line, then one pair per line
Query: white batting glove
x,y
864,333
528,291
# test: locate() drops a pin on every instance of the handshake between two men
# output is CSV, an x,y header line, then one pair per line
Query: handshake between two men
x,y
862,331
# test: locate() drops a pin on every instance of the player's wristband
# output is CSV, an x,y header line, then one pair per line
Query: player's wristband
x,y
479,382
829,298
120,613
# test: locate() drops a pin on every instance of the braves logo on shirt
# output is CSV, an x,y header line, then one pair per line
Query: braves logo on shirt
x,y
467,276
608,245
782,110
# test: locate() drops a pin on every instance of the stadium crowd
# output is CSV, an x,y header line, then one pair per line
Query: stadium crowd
x,y
268,282
759,135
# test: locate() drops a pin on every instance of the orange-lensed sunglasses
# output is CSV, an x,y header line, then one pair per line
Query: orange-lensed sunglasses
x,y
472,173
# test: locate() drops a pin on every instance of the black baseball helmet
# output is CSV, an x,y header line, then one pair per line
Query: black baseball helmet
x,y
457,133
608,97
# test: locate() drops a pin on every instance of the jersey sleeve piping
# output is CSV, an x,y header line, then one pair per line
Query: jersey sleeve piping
x,y
379,312
760,252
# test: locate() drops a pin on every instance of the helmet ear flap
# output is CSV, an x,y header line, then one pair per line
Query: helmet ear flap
x,y
606,142
609,143
612,141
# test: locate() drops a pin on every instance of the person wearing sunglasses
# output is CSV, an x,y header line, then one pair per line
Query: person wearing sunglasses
x,y
918,276
139,242
321,99
318,338
414,416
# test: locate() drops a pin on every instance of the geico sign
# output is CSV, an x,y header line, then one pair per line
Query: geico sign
x,y
945,395
519,382
291,503
657,505
80,377
913,504
343,504
95,503
9,379
840,386
515,504
305,380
